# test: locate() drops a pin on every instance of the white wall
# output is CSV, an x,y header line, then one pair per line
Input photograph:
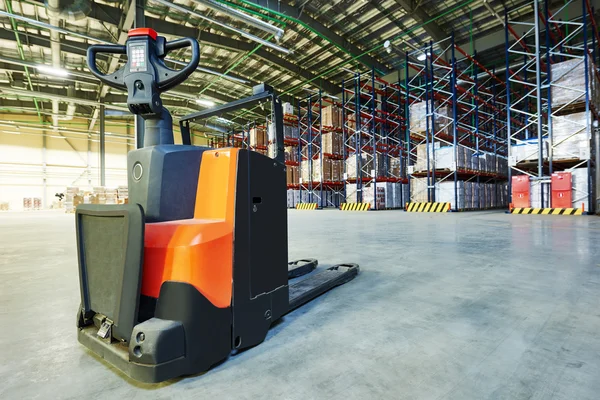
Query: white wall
x,y
22,163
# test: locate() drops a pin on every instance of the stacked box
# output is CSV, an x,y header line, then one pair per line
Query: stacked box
x,y
288,108
37,203
536,197
123,194
569,80
331,116
337,170
418,119
423,150
27,203
444,158
4,206
290,199
395,167
351,193
305,151
527,150
305,172
326,170
111,196
418,190
351,165
291,153
258,137
374,195
405,194
369,168
331,143
445,193
570,138
581,187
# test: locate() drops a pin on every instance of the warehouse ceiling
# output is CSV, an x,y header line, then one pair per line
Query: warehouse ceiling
x,y
323,42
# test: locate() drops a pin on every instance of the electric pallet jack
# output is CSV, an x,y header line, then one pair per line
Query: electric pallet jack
x,y
194,267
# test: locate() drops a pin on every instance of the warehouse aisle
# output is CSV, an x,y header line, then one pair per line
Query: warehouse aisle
x,y
447,306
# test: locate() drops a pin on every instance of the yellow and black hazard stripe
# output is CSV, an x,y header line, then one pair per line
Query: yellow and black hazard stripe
x,y
548,211
428,207
355,206
306,206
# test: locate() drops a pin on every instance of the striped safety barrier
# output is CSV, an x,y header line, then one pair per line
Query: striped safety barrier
x,y
306,206
428,207
548,211
355,207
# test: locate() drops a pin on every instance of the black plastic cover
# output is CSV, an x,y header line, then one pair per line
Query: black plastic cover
x,y
110,247
164,179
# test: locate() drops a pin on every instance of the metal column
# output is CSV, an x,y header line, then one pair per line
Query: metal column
x,y
102,145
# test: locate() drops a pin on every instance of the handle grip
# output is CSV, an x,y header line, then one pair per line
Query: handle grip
x,y
169,78
115,79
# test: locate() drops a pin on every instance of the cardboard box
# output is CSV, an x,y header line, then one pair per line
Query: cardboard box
x,y
258,137
331,116
337,170
288,108
331,143
321,174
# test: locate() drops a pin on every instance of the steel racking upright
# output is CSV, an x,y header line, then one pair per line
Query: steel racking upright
x,y
456,132
318,183
559,102
373,136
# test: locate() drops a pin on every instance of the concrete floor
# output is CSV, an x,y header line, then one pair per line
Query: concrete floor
x,y
447,306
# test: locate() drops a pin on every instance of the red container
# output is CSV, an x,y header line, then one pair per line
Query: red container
x,y
562,192
520,191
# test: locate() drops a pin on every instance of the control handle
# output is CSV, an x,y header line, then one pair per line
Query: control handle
x,y
115,79
168,78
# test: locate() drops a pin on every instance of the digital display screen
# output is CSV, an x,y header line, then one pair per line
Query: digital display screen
x,y
137,58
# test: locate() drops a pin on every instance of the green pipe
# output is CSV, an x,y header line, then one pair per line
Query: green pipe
x,y
22,55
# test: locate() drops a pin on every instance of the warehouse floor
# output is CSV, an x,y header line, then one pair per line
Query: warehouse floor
x,y
447,306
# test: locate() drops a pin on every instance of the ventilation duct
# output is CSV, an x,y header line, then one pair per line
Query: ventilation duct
x,y
69,9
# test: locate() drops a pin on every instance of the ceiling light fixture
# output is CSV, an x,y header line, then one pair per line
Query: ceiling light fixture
x,y
47,69
11,132
205,102
387,45
423,56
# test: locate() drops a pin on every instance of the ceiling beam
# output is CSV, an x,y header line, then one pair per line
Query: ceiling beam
x,y
421,16
296,12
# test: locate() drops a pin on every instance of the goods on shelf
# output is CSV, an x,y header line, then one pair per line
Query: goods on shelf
x,y
331,116
419,123
351,122
366,164
258,137
332,143
4,206
288,108
570,138
337,170
317,170
526,150
536,194
470,195
292,175
395,167
581,188
389,194
568,86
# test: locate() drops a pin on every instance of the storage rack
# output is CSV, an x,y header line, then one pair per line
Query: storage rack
x,y
373,136
314,185
456,128
559,112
